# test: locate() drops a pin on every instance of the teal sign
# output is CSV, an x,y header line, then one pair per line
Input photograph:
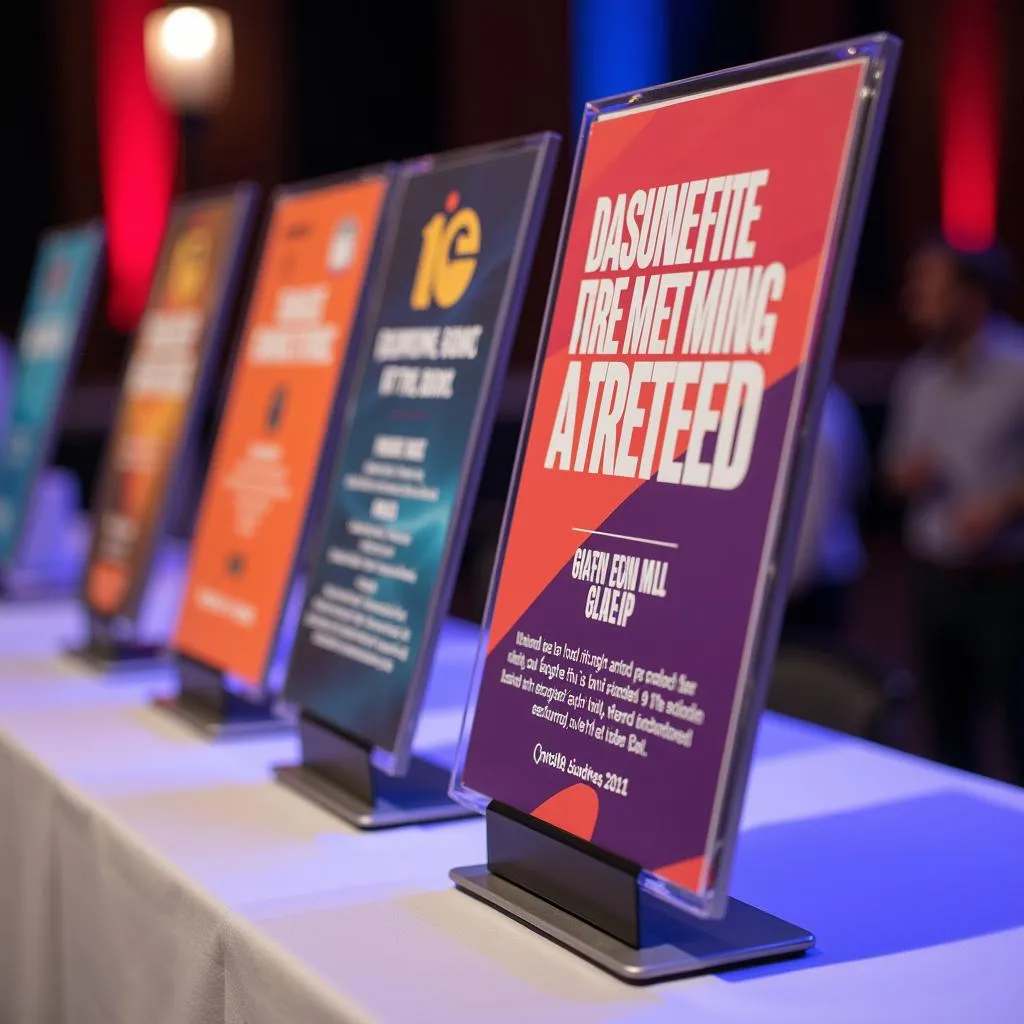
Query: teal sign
x,y
54,323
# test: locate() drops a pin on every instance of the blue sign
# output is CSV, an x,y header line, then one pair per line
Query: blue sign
x,y
54,324
460,238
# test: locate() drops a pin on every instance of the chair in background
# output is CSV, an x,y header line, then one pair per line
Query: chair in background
x,y
842,691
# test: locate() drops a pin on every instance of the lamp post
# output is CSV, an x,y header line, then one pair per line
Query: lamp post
x,y
190,62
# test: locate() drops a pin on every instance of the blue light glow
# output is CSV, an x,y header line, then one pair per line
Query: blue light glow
x,y
617,45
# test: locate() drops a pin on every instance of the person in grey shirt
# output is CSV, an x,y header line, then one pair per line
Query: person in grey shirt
x,y
955,453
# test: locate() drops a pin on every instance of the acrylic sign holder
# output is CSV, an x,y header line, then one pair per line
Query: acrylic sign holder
x,y
607,910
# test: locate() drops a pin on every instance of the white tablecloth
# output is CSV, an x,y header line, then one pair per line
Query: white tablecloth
x,y
149,877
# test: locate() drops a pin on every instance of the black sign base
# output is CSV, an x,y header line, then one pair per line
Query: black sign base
x,y
590,903
336,773
107,653
217,713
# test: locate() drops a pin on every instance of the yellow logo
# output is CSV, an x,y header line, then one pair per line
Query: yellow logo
x,y
451,244
190,266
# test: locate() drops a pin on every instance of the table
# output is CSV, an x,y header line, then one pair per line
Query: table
x,y
149,877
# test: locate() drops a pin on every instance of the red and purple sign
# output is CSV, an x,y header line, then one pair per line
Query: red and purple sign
x,y
659,450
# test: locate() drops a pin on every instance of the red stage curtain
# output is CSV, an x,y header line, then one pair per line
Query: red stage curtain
x,y
970,123
138,156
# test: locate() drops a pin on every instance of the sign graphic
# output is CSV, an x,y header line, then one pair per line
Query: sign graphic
x,y
448,256
659,447
270,443
176,338
54,326
419,415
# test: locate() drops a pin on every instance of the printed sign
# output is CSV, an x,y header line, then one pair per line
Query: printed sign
x,y
659,448
419,418
269,446
55,323
179,332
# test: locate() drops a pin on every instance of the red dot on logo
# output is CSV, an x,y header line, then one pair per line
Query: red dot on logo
x,y
451,202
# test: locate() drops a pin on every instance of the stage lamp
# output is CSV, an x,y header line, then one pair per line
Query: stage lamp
x,y
189,57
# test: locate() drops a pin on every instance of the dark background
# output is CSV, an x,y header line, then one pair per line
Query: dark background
x,y
324,85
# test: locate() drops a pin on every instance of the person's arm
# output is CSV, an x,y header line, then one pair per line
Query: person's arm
x,y
907,467
977,522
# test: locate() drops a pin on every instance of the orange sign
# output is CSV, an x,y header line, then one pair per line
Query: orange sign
x,y
174,342
269,446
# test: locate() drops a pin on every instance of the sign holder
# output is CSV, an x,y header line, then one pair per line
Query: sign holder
x,y
337,772
219,711
25,576
112,645
113,642
207,700
627,920
593,903
206,703
353,776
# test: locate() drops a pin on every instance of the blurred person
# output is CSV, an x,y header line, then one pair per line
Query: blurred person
x,y
830,554
955,454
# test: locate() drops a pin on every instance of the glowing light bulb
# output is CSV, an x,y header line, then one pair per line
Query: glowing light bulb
x,y
188,33
189,56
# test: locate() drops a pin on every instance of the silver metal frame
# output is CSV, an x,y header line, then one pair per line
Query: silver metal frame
x,y
686,945
210,727
389,810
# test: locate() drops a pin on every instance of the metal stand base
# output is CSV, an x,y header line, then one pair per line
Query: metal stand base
x,y
642,939
111,655
217,713
336,773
